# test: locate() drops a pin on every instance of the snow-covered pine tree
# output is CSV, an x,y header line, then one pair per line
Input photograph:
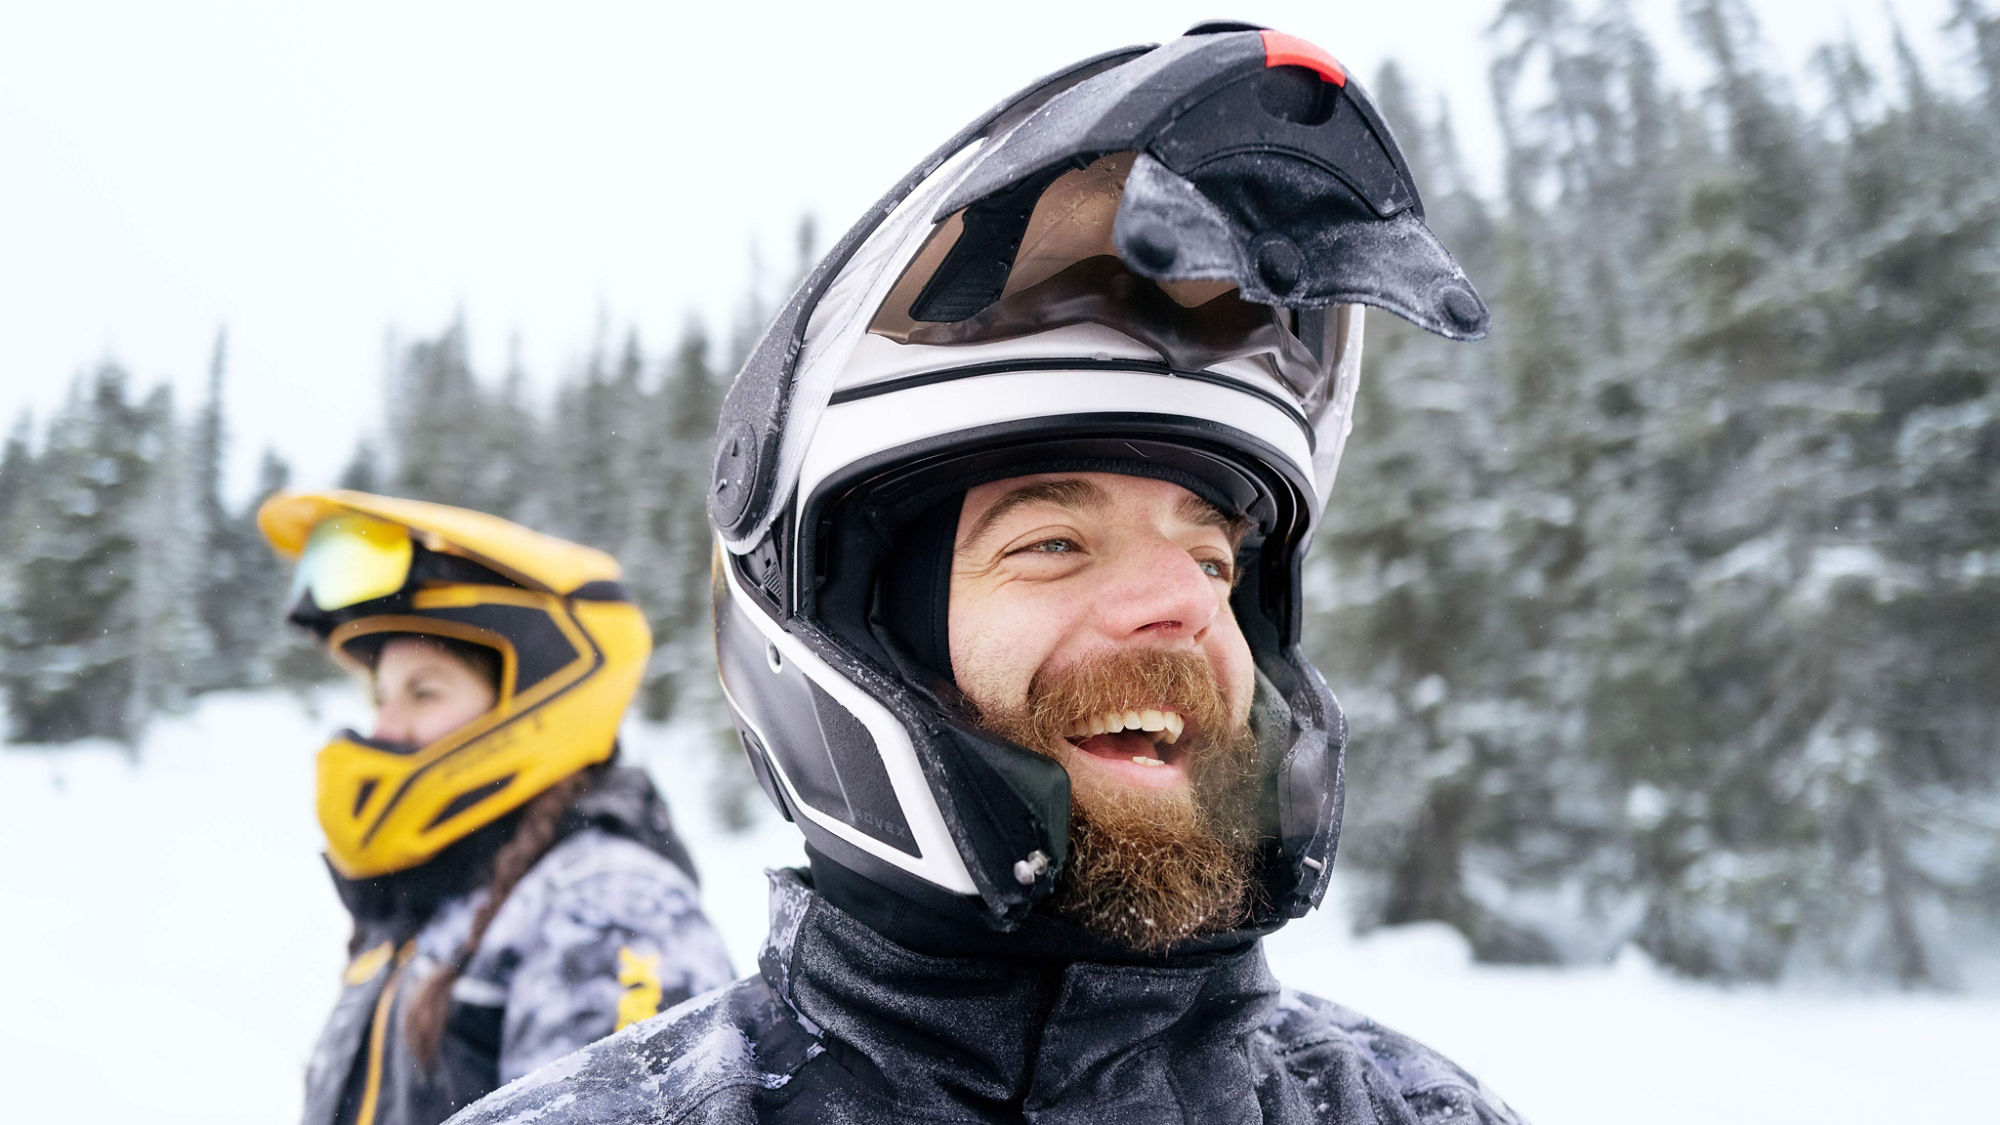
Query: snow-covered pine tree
x,y
68,636
1688,639
589,504
514,464
364,471
218,584
17,487
17,479
644,457
1892,869
1971,19
172,652
675,592
433,412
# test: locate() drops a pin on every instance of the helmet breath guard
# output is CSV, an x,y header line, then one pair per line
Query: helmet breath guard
x,y
1151,263
571,649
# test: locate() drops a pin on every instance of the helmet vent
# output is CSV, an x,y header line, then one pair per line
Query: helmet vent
x,y
1297,95
468,799
363,792
860,791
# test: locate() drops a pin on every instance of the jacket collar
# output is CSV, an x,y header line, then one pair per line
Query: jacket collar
x,y
395,906
994,1031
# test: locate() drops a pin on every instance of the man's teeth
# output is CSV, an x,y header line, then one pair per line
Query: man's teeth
x,y
1166,724
1145,761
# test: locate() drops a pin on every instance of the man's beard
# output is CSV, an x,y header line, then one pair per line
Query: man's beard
x,y
1148,868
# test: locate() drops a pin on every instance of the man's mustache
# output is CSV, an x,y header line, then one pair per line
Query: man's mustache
x,y
1129,680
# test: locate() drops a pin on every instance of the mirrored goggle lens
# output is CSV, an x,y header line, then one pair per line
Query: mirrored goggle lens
x,y
352,559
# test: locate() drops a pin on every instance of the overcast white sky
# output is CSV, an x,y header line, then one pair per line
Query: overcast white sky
x,y
313,176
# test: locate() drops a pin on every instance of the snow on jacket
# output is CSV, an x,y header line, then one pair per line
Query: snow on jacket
x,y
602,931
842,1025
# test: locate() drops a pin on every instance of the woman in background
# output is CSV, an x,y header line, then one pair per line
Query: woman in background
x,y
515,894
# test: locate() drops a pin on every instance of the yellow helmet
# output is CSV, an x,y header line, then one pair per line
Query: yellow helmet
x,y
572,647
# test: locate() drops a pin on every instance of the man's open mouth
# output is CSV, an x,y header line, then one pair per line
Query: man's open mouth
x,y
1144,737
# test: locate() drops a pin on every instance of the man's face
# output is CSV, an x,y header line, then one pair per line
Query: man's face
x,y
1090,621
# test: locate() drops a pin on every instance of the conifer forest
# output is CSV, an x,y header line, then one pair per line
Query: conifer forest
x,y
1670,615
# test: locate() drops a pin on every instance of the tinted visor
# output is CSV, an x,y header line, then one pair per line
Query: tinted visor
x,y
1041,256
350,559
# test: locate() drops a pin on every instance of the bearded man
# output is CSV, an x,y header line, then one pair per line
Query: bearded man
x,y
1011,503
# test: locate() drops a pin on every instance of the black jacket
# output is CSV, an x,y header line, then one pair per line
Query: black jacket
x,y
842,1025
603,930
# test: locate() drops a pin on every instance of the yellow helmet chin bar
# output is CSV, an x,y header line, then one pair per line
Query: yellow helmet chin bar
x,y
572,650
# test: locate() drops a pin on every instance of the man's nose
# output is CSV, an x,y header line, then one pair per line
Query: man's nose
x,y
1160,592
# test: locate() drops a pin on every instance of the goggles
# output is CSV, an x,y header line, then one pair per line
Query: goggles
x,y
350,559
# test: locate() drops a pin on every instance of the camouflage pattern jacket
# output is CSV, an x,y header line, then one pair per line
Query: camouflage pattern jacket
x,y
844,1026
603,931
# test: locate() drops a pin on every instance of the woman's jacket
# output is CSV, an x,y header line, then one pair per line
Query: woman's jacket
x,y
602,931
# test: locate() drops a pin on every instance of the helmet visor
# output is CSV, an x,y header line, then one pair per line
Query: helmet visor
x,y
1042,256
350,559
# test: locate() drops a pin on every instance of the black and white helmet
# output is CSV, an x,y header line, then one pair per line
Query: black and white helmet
x,y
1150,263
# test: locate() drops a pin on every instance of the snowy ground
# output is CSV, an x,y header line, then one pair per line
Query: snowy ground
x,y
168,947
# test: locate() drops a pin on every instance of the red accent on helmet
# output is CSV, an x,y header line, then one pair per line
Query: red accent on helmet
x,y
1289,50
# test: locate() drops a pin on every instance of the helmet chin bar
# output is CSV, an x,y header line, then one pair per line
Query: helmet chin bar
x,y
879,780
849,770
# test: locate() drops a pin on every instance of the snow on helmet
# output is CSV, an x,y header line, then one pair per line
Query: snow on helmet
x,y
571,649
1149,263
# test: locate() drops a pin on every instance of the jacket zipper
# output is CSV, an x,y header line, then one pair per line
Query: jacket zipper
x,y
378,1032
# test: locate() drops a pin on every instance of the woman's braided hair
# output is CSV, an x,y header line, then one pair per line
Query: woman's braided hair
x,y
541,817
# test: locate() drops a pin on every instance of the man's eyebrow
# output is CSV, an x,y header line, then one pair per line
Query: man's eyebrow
x,y
1068,493
1201,513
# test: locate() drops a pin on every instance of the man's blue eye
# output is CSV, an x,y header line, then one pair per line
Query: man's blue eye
x,y
1054,547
